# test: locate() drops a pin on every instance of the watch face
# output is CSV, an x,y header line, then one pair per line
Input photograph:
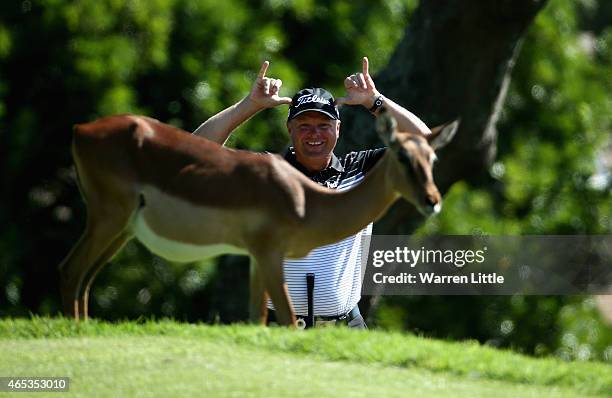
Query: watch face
x,y
377,104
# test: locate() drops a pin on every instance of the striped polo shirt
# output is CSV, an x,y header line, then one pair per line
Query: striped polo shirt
x,y
337,266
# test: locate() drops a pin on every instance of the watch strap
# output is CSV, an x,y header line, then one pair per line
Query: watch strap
x,y
378,102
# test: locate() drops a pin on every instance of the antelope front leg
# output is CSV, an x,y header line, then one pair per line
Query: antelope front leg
x,y
270,266
258,308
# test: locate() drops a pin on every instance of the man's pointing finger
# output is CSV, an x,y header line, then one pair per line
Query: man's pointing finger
x,y
263,70
365,66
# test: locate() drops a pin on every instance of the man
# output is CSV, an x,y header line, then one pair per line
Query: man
x,y
314,127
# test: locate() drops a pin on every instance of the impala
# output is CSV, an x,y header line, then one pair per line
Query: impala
x,y
186,198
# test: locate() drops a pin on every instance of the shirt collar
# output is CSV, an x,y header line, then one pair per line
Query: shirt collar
x,y
334,166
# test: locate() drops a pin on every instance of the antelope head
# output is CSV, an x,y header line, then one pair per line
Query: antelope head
x,y
413,157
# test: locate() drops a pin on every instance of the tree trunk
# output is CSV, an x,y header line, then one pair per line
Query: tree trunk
x,y
454,61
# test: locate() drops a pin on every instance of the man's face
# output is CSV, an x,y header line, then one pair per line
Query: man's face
x,y
314,136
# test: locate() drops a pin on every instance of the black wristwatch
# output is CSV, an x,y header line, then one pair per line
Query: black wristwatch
x,y
377,104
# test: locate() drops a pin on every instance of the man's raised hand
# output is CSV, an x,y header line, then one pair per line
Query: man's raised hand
x,y
264,92
360,88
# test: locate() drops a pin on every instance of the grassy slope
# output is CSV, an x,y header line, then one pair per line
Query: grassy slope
x,y
172,359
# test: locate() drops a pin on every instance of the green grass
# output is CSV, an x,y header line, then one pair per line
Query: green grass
x,y
173,359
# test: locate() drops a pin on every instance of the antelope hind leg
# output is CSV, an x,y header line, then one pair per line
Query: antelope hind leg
x,y
106,256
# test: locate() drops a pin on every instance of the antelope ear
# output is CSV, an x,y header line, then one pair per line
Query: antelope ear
x,y
386,127
443,134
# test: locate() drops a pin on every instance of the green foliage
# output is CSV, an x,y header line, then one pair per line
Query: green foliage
x,y
584,335
551,134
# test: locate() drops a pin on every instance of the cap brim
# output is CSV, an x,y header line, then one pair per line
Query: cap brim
x,y
331,116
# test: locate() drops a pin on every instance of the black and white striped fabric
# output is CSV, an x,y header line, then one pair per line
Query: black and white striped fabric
x,y
337,267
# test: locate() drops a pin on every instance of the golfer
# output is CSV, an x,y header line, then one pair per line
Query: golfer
x,y
313,124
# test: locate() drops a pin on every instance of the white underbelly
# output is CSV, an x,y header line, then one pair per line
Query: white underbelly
x,y
177,251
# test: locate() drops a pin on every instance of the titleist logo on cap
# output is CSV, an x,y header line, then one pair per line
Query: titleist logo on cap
x,y
304,99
